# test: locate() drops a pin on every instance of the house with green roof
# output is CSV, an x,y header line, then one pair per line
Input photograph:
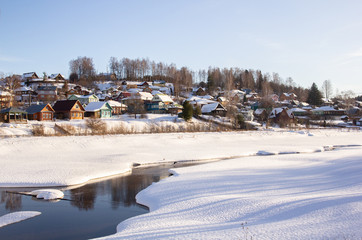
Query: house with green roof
x,y
13,115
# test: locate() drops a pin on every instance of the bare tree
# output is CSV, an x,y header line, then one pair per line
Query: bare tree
x,y
83,66
327,88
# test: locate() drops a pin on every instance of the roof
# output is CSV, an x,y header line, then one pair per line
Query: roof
x,y
95,106
164,98
47,88
29,74
65,105
259,111
4,93
208,108
22,89
36,108
324,108
113,103
54,75
12,110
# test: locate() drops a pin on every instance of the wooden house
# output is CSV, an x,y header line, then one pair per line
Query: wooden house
x,y
5,99
98,110
13,115
47,93
68,109
117,107
57,76
42,112
213,109
84,99
282,116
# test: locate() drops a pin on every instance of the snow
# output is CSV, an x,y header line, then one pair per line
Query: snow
x,y
47,194
17,217
281,184
300,196
95,106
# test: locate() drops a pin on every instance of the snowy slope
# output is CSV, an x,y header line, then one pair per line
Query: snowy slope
x,y
305,196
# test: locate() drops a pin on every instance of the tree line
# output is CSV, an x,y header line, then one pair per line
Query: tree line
x,y
142,69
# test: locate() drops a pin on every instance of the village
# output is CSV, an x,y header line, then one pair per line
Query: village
x,y
53,98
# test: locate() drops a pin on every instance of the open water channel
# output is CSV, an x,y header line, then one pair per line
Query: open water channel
x,y
89,211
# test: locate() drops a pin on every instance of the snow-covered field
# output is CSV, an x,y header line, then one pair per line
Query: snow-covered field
x,y
316,194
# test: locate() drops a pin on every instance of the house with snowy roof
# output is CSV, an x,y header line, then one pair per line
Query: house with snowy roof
x,y
117,107
5,99
214,108
282,116
327,113
288,97
29,76
98,110
41,112
57,76
84,99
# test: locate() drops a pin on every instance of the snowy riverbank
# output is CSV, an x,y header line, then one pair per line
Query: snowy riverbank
x,y
314,194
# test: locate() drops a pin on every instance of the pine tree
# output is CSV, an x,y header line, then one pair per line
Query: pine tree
x,y
187,111
314,96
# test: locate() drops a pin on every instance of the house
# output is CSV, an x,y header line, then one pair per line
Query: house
x,y
29,76
282,116
57,76
162,98
117,107
42,112
327,113
199,91
13,115
25,95
213,109
143,85
288,97
47,93
84,99
98,110
261,114
68,109
5,99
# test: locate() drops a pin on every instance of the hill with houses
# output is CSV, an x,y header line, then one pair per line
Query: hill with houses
x,y
54,97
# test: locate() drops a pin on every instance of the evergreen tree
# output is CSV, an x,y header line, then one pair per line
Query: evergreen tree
x,y
187,111
314,96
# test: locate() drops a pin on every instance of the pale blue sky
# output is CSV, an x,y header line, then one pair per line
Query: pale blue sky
x,y
310,41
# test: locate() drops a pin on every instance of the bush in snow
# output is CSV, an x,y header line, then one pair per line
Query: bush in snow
x,y
38,130
96,125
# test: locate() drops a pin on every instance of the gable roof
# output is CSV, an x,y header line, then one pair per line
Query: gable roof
x,y
163,98
95,106
208,108
37,108
66,105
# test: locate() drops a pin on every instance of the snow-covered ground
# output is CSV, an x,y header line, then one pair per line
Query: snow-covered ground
x,y
316,194
15,217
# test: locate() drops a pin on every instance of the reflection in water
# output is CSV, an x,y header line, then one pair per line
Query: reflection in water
x,y
123,190
90,211
12,201
84,197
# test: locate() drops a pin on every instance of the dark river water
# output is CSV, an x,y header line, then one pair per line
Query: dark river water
x,y
90,211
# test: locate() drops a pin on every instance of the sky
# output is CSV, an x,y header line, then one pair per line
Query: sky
x,y
309,41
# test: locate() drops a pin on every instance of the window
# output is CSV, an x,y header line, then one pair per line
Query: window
x,y
72,114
